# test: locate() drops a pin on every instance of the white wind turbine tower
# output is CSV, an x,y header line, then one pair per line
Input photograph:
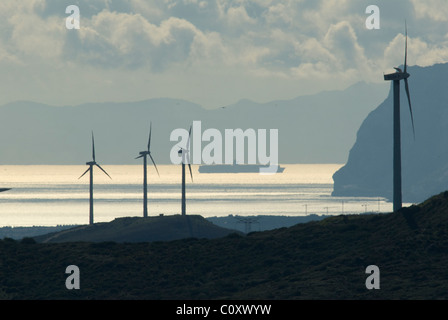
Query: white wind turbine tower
x,y
144,155
91,164
396,78
185,152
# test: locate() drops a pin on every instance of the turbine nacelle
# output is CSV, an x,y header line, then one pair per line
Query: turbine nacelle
x,y
93,162
399,75
181,151
403,75
143,154
148,152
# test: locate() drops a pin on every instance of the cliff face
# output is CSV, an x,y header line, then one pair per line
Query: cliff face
x,y
368,171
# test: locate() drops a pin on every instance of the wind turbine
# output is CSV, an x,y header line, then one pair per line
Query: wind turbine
x,y
91,164
144,154
185,158
396,77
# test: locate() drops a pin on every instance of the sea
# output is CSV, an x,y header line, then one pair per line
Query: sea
x,y
53,195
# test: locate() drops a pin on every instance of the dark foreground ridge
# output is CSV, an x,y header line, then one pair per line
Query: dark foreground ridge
x,y
324,259
260,223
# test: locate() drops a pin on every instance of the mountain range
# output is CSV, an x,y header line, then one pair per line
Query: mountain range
x,y
317,128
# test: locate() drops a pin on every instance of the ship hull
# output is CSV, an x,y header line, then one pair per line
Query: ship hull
x,y
244,168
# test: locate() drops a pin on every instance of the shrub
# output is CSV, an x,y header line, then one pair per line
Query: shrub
x,y
28,240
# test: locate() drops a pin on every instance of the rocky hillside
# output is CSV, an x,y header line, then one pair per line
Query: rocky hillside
x,y
324,259
368,171
138,229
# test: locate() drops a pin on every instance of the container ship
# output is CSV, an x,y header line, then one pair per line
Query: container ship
x,y
235,168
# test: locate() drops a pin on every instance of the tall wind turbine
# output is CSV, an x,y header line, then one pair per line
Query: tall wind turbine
x,y
91,164
185,158
144,155
396,77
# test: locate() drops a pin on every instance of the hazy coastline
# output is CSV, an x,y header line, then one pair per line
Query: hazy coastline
x,y
260,223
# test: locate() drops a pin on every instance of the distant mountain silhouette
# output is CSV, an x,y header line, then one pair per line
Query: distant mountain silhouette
x,y
368,171
317,128
139,229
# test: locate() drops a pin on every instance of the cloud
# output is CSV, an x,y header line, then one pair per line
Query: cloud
x,y
301,45
341,40
436,10
117,40
26,36
420,52
237,16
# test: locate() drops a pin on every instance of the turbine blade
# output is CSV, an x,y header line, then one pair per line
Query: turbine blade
x,y
84,173
188,141
140,156
187,158
405,46
149,139
102,170
191,174
154,164
406,86
93,148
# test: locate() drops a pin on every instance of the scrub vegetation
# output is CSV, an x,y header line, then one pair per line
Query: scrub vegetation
x,y
323,259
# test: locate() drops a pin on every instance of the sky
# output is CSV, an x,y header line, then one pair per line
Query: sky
x,y
213,53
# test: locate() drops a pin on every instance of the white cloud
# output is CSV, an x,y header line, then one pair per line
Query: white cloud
x,y
436,10
314,51
238,16
129,40
298,45
26,34
420,52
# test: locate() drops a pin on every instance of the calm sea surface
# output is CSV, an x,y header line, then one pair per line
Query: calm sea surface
x,y
53,195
